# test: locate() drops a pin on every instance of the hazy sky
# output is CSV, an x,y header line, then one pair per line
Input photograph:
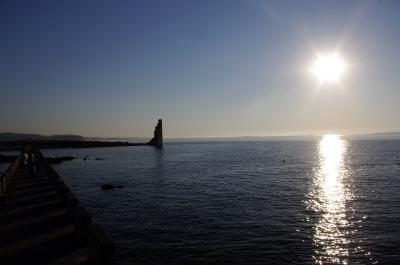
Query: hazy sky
x,y
208,68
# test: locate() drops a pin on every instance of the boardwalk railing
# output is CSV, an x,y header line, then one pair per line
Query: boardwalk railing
x,y
99,247
10,171
101,250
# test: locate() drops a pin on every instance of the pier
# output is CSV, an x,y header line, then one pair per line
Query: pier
x,y
43,222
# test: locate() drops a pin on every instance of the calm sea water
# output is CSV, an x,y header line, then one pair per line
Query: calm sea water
x,y
265,202
4,165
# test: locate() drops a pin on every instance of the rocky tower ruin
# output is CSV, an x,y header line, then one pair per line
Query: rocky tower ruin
x,y
158,135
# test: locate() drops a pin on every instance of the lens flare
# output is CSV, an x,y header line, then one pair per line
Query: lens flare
x,y
329,68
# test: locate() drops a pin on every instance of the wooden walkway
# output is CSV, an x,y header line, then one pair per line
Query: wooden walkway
x,y
42,222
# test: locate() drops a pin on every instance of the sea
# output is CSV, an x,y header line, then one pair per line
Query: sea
x,y
329,200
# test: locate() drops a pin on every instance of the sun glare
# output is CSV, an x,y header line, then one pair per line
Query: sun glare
x,y
329,198
329,68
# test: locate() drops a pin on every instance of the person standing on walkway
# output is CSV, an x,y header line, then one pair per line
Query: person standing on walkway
x,y
30,162
25,162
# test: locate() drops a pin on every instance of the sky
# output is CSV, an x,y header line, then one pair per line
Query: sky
x,y
207,68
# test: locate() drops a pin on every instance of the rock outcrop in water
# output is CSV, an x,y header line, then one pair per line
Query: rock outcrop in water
x,y
52,160
111,187
59,160
157,140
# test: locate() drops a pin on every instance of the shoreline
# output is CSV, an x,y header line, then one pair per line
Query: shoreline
x,y
56,144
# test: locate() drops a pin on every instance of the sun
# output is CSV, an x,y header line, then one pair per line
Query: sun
x,y
329,68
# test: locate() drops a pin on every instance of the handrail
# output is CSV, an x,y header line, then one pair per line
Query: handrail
x,y
10,171
101,249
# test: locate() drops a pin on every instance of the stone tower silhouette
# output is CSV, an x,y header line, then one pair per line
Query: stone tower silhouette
x,y
157,140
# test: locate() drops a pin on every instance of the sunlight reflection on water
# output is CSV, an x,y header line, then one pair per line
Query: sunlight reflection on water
x,y
237,202
329,195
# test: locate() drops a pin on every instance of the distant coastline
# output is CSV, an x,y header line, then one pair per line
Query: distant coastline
x,y
15,141
10,136
51,144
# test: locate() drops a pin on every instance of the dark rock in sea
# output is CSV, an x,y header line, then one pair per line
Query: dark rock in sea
x,y
110,186
107,187
85,158
59,160
284,161
7,159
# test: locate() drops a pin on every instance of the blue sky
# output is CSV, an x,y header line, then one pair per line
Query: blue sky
x,y
208,68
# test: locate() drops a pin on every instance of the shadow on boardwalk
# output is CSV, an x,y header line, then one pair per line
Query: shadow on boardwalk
x,y
41,222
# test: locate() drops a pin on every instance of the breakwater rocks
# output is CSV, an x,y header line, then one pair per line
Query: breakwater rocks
x,y
18,145
51,160
59,160
74,142
85,158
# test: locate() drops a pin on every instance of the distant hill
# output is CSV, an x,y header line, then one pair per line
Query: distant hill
x,y
9,136
376,136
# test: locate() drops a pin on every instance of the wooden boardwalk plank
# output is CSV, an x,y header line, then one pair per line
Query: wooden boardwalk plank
x,y
32,220
37,228
29,198
34,241
78,257
29,207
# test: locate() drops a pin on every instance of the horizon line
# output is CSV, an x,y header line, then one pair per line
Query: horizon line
x,y
214,137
